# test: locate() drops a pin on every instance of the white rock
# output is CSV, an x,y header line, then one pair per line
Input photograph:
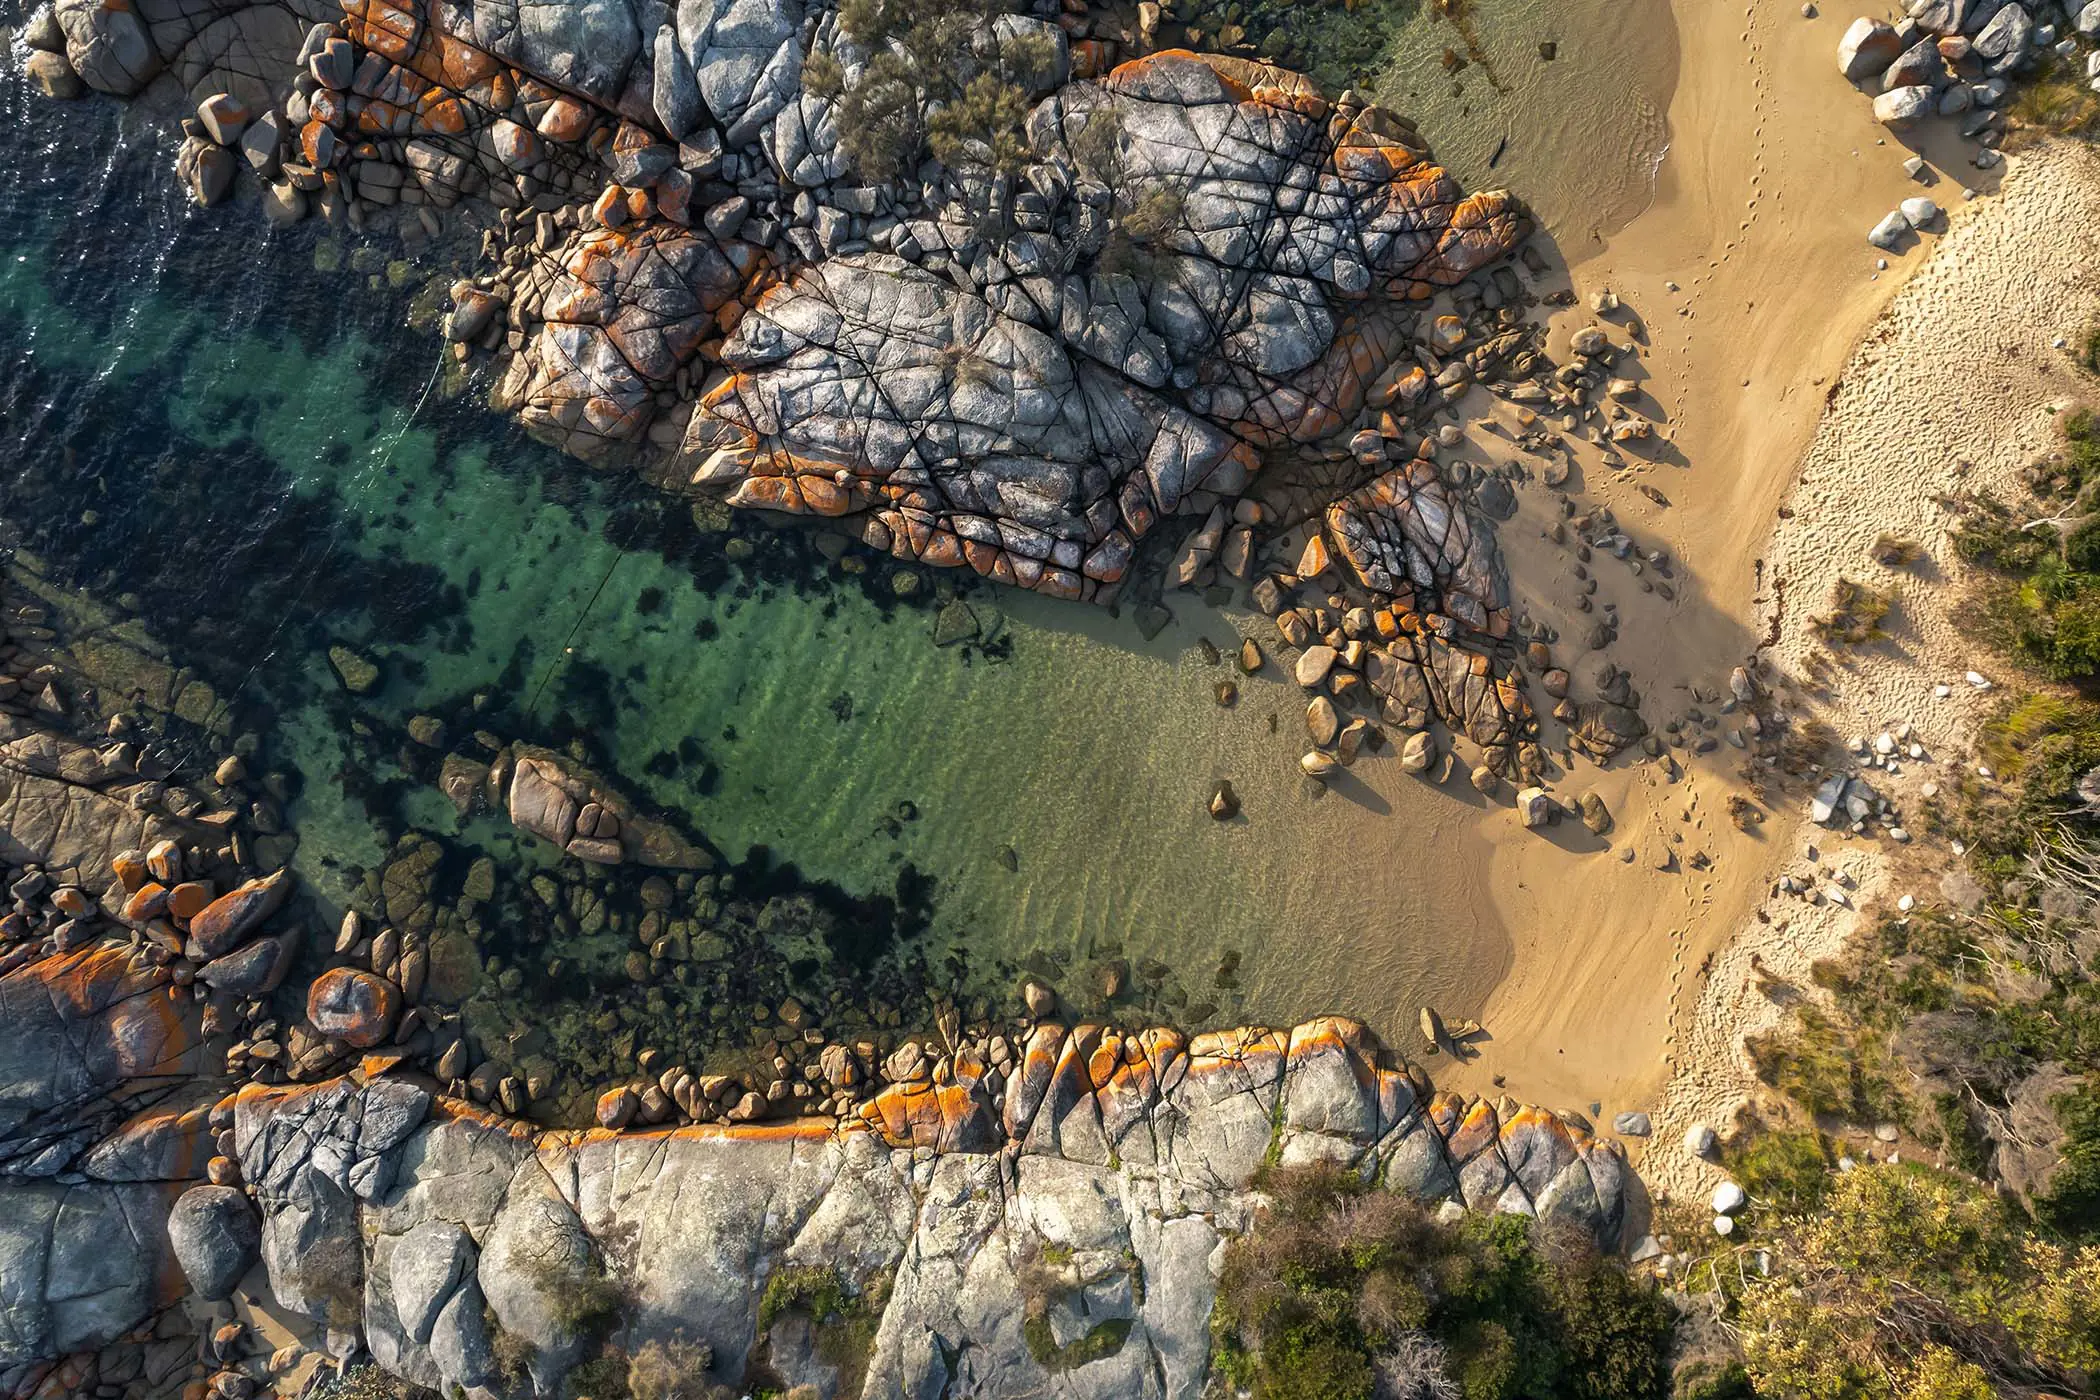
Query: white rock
x,y
1977,679
1885,743
1724,1225
1906,904
1899,836
1889,232
1699,1140
1941,692
1729,1198
1901,108
1920,211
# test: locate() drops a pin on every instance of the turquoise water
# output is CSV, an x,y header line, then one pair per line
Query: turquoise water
x,y
234,434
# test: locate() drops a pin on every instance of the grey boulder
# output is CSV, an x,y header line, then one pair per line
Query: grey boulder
x,y
426,1270
1868,47
215,1235
1904,107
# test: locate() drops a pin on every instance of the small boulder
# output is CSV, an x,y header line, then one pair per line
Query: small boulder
x,y
224,117
1867,48
1901,108
1889,234
1699,1140
1038,998
1224,802
1729,1198
1534,808
1322,721
1418,753
228,920
1314,664
215,1236
1920,211
1631,1125
52,75
357,1008
358,674
616,1107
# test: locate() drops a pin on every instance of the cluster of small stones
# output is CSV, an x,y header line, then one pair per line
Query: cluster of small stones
x,y
1957,61
1395,600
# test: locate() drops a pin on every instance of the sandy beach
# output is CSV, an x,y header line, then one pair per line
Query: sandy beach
x,y
1748,284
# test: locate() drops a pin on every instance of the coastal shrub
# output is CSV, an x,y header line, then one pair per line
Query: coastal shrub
x,y
369,1382
671,1369
1856,614
1896,551
931,83
1903,1263
813,1289
1341,1291
1826,1067
843,1319
2072,1202
1785,1168
2053,100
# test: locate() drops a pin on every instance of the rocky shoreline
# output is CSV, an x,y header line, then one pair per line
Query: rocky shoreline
x,y
1183,288
161,1107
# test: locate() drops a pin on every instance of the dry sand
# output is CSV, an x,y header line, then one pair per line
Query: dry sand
x,y
1776,170
1749,284
1955,388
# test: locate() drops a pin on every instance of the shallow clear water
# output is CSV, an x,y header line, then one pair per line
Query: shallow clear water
x,y
1580,135
233,432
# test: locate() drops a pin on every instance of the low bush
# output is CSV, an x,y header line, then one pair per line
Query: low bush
x,y
1911,1282
1857,611
1343,1292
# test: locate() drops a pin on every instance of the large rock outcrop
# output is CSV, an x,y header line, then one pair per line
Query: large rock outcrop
x,y
1129,1156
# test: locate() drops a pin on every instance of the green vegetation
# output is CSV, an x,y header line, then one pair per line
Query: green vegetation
x,y
1897,551
670,1370
844,1318
2043,608
368,1382
932,82
1826,1067
1973,1026
1787,1168
1856,614
2054,100
1343,1292
1912,1282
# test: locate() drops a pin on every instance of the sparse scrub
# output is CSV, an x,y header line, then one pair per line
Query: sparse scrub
x,y
1911,1282
933,82
1341,1289
2053,101
1856,614
843,1317
369,1382
1897,551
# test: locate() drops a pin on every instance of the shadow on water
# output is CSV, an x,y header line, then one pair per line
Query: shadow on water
x,y
226,431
